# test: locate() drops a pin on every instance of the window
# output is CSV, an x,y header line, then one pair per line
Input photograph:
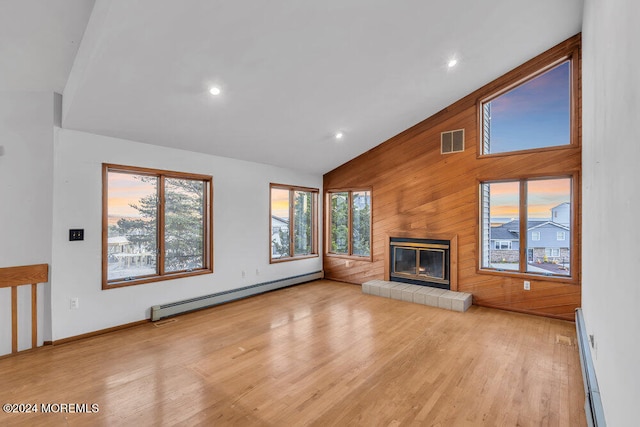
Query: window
x,y
157,225
349,231
552,252
297,206
523,210
534,114
560,235
502,245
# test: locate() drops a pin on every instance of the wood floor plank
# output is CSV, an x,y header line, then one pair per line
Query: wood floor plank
x,y
318,354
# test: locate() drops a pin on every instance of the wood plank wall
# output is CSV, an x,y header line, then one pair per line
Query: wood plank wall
x,y
416,189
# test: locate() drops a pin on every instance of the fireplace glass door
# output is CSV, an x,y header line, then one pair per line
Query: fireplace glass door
x,y
405,261
420,262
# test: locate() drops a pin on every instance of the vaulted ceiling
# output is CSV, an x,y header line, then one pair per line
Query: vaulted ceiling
x,y
291,73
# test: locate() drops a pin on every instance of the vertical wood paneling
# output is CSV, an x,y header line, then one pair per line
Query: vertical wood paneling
x,y
415,188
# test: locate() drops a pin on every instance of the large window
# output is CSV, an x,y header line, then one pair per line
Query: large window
x,y
293,231
532,213
157,225
532,115
349,231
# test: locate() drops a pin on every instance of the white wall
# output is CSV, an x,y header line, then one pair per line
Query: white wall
x,y
241,230
26,176
611,201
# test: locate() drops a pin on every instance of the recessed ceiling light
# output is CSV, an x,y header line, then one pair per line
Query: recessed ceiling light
x,y
339,135
214,90
452,63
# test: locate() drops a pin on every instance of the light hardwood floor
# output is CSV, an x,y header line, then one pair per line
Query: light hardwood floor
x,y
320,354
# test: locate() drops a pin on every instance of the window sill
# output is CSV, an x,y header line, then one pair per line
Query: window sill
x,y
351,257
292,258
570,280
151,279
569,146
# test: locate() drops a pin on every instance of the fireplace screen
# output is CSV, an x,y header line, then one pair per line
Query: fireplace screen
x,y
421,262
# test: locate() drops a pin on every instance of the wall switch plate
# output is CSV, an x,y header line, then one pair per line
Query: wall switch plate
x,y
74,303
527,285
76,234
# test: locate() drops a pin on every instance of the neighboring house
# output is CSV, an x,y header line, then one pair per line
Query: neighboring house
x,y
548,240
561,214
277,225
118,244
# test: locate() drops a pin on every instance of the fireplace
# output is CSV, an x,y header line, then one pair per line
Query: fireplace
x,y
419,261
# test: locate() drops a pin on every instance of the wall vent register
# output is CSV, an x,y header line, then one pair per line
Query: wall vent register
x,y
452,141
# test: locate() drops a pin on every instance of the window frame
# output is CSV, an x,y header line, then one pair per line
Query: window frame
x,y
522,272
161,274
572,55
536,236
349,254
563,234
314,223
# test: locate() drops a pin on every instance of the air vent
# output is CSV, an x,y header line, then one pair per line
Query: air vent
x,y
452,141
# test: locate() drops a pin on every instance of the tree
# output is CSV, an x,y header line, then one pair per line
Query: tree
x,y
360,226
339,222
282,243
302,234
183,223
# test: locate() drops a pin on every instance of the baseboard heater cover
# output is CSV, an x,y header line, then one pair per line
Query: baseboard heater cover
x,y
592,402
179,307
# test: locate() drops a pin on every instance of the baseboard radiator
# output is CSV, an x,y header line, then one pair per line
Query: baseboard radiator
x,y
592,402
179,307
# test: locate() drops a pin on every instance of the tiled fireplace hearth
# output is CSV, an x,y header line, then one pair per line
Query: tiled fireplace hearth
x,y
425,295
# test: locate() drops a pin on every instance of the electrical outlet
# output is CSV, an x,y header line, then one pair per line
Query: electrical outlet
x,y
74,303
527,285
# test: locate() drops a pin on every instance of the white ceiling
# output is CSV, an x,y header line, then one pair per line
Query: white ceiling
x,y
292,72
38,42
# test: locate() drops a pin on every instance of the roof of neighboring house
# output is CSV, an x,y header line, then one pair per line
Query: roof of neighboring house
x,y
279,219
510,230
502,233
118,240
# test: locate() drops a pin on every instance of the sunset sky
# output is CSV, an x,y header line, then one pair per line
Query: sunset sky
x,y
542,196
126,189
535,114
280,203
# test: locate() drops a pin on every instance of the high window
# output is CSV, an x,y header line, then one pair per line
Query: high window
x,y
349,219
523,210
293,215
157,225
534,114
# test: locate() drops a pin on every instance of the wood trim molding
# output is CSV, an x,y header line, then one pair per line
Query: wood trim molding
x,y
98,332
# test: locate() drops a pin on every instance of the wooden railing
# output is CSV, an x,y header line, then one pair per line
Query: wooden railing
x,y
24,275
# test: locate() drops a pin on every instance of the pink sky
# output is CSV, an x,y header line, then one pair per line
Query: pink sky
x,y
543,195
